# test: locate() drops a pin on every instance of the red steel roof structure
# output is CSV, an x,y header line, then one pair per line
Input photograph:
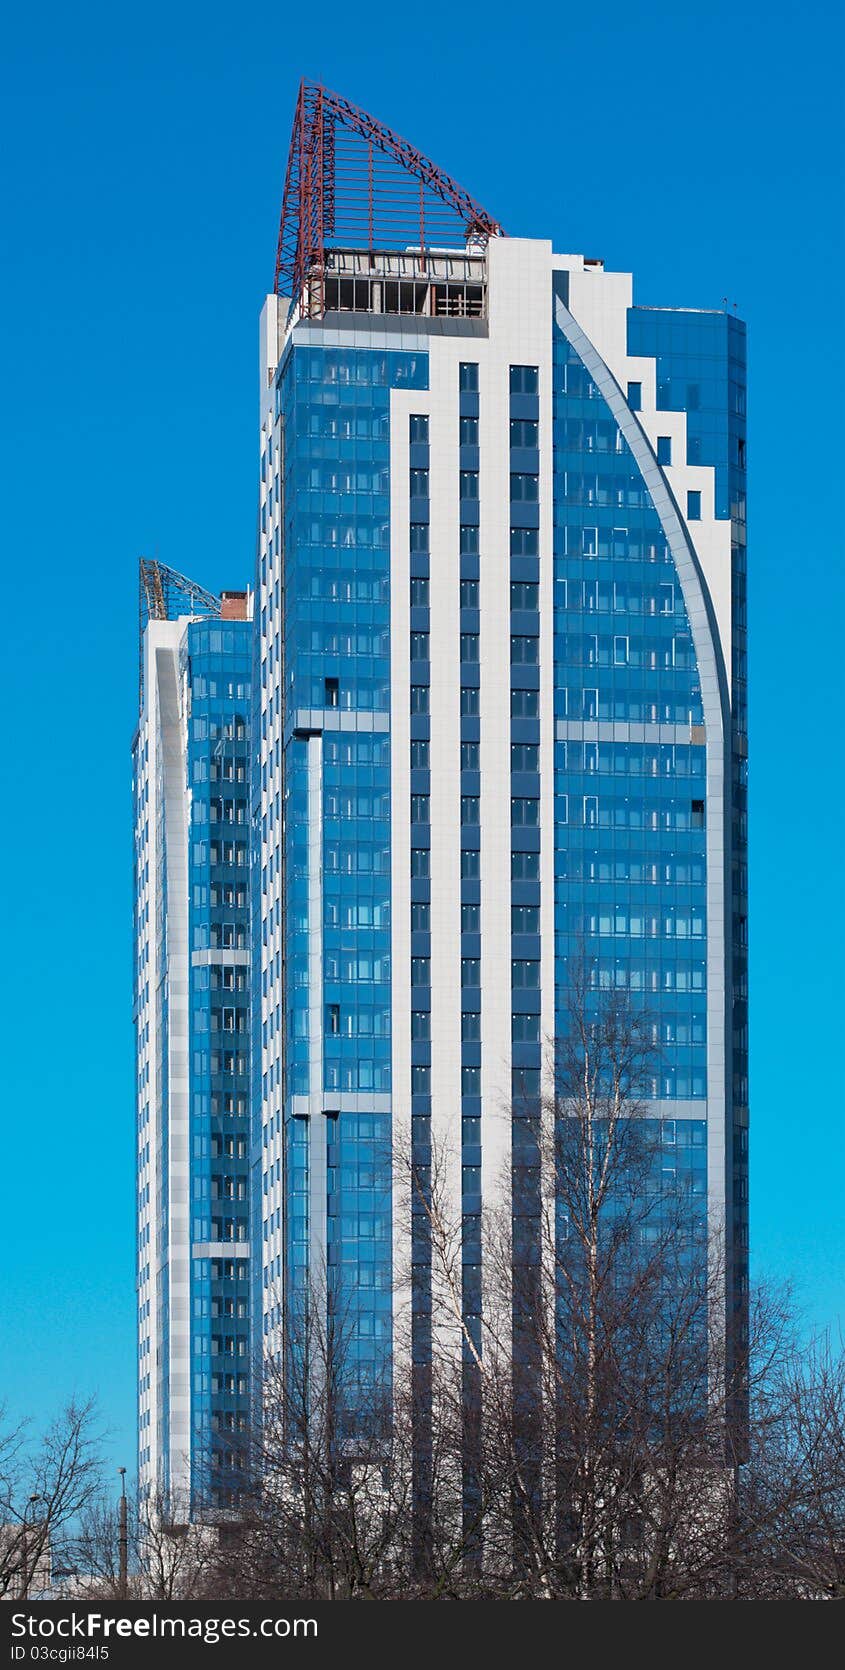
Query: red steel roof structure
x,y
352,183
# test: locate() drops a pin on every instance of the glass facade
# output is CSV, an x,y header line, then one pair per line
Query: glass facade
x,y
334,412
215,665
630,768
700,363
192,1011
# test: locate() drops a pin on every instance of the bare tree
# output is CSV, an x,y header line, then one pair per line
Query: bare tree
x,y
604,1454
790,1532
44,1486
323,1474
172,1548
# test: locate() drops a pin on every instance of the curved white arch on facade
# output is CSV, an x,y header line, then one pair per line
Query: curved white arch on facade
x,y
716,706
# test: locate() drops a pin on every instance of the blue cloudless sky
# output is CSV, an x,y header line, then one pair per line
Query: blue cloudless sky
x,y
144,154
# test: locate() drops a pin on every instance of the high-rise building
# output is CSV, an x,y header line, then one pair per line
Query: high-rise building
x,y
192,973
500,708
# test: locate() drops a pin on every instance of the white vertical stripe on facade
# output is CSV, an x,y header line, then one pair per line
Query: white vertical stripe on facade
x,y
445,761
168,1286
317,1212
402,403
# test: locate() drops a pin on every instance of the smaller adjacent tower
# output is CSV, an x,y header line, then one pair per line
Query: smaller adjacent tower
x,y
191,991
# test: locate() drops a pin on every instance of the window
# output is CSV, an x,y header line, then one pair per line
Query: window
x,y
469,539
525,919
470,864
468,378
525,866
525,1081
468,481
419,698
525,1029
693,507
469,701
469,646
419,536
635,396
332,692
470,1081
470,919
420,1026
525,813
620,652
664,449
525,651
469,756
419,484
525,488
525,976
419,756
420,1081
525,704
420,971
420,808
591,810
333,1019
469,594
470,809
471,971
525,542
419,427
419,594
524,379
525,756
420,863
471,1026
469,431
525,594
524,432
697,814
420,919
419,646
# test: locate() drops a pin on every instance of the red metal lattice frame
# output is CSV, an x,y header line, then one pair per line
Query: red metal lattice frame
x,y
352,181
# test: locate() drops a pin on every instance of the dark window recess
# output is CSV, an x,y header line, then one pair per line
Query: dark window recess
x,y
635,396
524,432
347,295
332,689
405,296
698,814
333,1019
468,379
524,379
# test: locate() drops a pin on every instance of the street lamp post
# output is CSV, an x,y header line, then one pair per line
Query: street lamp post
x,y
123,1541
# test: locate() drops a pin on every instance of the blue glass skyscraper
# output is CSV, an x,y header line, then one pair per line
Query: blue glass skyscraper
x,y
192,971
500,717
